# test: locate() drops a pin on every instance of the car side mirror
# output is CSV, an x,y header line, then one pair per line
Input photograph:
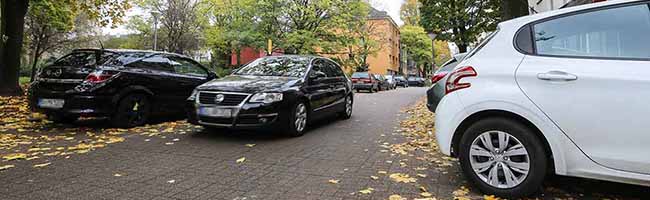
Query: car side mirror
x,y
212,75
317,75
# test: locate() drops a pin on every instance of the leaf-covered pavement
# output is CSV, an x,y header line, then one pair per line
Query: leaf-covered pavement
x,y
28,139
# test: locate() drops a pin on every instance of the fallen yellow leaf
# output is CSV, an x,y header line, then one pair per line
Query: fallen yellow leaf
x,y
250,145
366,191
402,178
6,167
396,197
426,194
241,160
333,181
41,165
15,156
374,177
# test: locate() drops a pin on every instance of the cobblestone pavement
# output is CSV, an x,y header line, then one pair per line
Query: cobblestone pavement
x,y
335,160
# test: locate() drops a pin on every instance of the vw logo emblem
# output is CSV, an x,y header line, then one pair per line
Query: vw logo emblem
x,y
219,98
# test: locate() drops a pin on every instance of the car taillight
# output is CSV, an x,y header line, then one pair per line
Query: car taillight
x,y
99,76
453,82
436,77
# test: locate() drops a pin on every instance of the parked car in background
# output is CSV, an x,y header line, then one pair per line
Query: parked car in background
x,y
416,81
127,86
437,90
365,81
401,81
278,91
530,101
383,83
391,81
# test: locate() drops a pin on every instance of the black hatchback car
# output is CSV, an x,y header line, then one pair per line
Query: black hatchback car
x,y
128,86
285,92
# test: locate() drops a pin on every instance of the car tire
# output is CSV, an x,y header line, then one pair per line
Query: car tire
x,y
473,154
61,119
348,103
132,110
294,128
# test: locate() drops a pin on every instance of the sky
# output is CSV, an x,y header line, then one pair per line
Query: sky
x,y
390,6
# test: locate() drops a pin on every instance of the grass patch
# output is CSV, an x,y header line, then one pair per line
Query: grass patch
x,y
23,80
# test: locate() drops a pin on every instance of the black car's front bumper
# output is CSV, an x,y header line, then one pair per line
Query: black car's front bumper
x,y
244,116
75,104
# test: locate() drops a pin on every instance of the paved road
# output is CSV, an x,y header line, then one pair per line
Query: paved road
x,y
193,163
202,164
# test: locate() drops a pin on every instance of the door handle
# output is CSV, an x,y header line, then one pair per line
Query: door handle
x,y
557,76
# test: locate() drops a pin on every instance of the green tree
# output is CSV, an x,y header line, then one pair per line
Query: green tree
x,y
442,52
180,24
409,12
47,26
460,21
418,46
12,26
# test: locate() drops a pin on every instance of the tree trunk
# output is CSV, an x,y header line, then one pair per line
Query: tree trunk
x,y
35,58
462,48
513,9
13,25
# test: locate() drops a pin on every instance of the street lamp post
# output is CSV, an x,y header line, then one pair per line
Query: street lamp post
x,y
433,49
155,15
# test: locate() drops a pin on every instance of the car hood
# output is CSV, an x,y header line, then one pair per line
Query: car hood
x,y
250,84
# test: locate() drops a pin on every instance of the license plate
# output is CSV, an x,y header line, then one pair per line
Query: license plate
x,y
51,103
215,112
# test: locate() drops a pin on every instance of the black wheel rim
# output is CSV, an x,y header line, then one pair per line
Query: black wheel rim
x,y
134,110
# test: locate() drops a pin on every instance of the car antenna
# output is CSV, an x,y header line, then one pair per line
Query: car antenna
x,y
101,52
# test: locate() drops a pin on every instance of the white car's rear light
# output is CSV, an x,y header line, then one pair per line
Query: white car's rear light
x,y
453,82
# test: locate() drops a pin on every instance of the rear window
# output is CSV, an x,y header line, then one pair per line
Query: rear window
x,y
481,45
83,58
126,58
360,75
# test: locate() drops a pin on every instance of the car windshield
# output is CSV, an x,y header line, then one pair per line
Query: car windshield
x,y
360,75
389,76
276,66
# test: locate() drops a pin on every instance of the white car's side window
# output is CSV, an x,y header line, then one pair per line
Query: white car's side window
x,y
610,33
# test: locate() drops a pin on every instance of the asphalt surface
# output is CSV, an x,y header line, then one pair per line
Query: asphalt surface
x,y
202,164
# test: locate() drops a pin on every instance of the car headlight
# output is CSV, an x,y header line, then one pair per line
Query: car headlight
x,y
195,92
266,98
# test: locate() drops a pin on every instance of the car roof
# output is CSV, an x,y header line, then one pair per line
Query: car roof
x,y
131,51
518,22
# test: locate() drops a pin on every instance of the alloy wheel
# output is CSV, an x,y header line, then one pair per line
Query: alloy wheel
x,y
499,159
348,106
301,117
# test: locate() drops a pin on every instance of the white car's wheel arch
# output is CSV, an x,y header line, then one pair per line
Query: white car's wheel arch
x,y
550,134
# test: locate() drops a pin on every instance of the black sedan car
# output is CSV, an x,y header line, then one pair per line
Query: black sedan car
x,y
416,81
401,81
277,91
127,86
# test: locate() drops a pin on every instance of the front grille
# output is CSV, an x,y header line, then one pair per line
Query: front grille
x,y
214,120
209,98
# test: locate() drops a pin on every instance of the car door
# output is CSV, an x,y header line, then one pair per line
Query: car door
x,y
590,74
188,75
337,87
318,88
155,74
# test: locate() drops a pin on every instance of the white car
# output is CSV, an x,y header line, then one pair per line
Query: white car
x,y
564,92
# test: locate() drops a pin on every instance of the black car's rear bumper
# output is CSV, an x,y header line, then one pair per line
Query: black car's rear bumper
x,y
434,95
363,86
75,104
